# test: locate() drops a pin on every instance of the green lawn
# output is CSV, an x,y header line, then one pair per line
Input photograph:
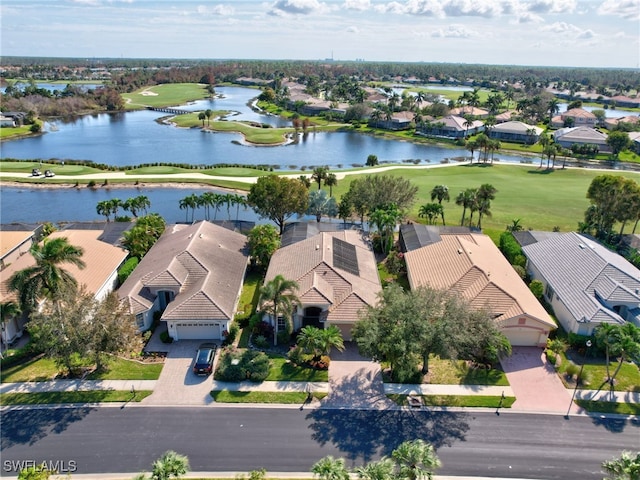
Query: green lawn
x,y
9,132
250,294
282,370
541,199
166,95
627,380
93,396
226,396
42,369
55,167
457,372
456,400
609,407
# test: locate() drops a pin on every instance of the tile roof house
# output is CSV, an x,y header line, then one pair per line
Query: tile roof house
x,y
100,275
568,136
611,123
337,277
585,283
516,132
450,126
194,276
579,116
469,110
470,265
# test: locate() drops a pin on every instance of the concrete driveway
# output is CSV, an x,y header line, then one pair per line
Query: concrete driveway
x,y
355,381
535,383
177,384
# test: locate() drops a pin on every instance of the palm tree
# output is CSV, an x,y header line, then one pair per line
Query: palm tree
x,y
486,193
276,296
201,117
239,201
331,181
627,346
431,211
305,180
104,208
329,468
440,192
208,113
319,174
606,336
466,199
471,145
553,107
331,337
627,467
468,123
383,469
170,464
416,459
46,278
310,341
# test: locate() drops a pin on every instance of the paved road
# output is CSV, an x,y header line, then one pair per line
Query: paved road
x,y
128,439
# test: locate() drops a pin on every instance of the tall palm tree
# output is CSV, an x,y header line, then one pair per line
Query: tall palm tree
x,y
416,459
466,199
277,297
208,113
201,117
440,192
331,181
239,201
627,346
46,278
103,207
8,310
553,107
319,174
486,193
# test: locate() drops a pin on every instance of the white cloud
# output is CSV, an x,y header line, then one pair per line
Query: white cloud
x,y
215,10
297,7
570,30
454,31
586,34
472,8
360,5
550,6
353,29
627,9
444,8
528,17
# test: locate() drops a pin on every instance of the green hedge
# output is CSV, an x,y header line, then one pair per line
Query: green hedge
x,y
127,267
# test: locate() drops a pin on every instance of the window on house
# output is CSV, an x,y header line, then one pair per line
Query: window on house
x,y
140,320
548,292
282,324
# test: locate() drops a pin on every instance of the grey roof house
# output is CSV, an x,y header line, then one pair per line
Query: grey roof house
x,y
581,136
516,132
585,283
193,275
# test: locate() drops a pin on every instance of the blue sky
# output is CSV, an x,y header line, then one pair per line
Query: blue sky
x,y
593,33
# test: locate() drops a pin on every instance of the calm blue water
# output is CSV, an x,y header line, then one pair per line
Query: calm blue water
x,y
34,205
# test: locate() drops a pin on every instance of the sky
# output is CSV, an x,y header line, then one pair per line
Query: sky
x,y
573,33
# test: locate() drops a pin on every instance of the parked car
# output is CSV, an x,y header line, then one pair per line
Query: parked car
x,y
49,174
203,363
35,172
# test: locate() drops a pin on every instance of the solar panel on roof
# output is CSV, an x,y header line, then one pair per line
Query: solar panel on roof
x,y
344,256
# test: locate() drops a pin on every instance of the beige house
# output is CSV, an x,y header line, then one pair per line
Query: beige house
x,y
193,275
579,116
337,277
100,275
470,265
14,244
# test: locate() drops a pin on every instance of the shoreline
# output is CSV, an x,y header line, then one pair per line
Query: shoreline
x,y
116,186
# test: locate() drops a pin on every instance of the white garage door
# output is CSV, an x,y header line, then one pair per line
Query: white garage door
x,y
198,331
525,337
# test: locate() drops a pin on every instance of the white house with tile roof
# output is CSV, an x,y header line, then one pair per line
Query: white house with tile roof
x,y
585,283
193,275
514,131
100,275
337,277
470,265
568,136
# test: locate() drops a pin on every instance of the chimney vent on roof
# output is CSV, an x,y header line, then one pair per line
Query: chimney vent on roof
x,y
581,245
201,235
317,247
459,251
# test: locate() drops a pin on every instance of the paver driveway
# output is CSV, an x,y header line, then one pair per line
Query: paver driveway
x,y
178,385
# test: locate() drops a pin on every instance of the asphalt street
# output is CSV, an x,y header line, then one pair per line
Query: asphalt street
x,y
114,439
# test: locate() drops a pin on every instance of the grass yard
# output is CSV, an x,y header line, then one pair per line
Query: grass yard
x,y
627,380
609,407
93,396
10,132
296,398
55,167
282,370
450,372
41,369
165,95
456,400
541,199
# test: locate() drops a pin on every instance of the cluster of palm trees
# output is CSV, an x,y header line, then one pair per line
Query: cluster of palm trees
x,y
135,205
212,200
622,341
476,200
205,115
485,144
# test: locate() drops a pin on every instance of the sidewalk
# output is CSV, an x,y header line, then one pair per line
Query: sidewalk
x,y
76,386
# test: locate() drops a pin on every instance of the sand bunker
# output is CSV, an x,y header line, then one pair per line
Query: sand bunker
x,y
148,93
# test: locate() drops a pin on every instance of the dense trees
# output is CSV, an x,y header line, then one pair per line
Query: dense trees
x,y
613,199
278,198
321,204
139,239
407,327
263,242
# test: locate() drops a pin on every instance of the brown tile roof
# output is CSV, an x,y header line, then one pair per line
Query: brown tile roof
x,y
10,240
472,266
204,262
311,263
101,260
577,112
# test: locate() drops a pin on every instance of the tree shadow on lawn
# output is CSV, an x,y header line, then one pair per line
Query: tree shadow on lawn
x,y
542,171
367,434
27,426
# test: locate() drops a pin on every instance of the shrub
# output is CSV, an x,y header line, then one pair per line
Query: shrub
x,y
522,273
18,355
584,377
537,288
296,355
395,263
284,337
165,337
91,184
249,365
571,370
322,364
126,269
551,357
261,341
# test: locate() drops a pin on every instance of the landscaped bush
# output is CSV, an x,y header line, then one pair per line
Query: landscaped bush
x,y
18,355
322,364
296,355
232,334
571,370
235,366
260,341
126,269
165,337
